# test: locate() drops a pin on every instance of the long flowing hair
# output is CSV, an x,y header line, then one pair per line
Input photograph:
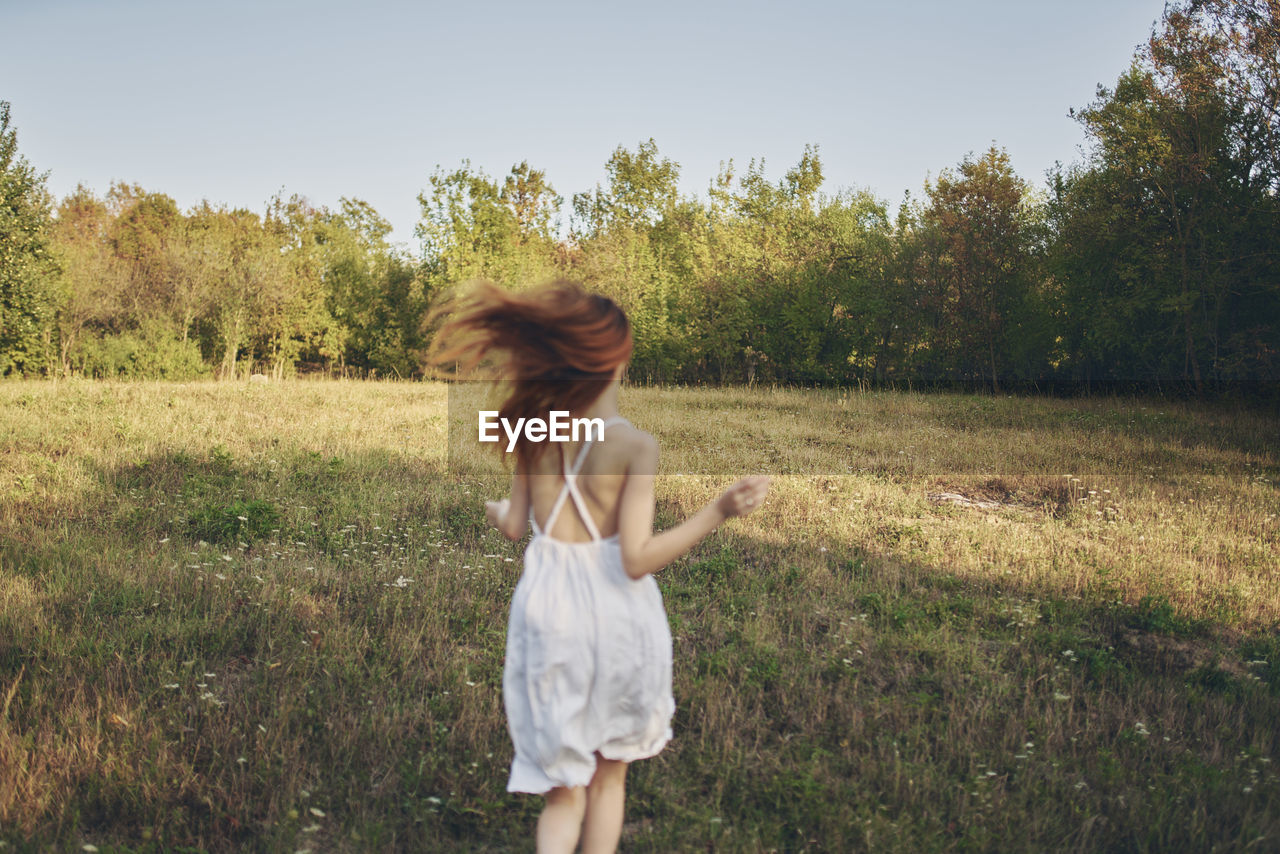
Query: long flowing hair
x,y
556,346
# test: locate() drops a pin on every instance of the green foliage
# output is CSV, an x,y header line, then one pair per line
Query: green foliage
x,y
1162,250
26,265
472,227
368,300
231,523
714,570
1101,665
1155,613
1213,679
982,308
152,352
641,191
463,522
148,291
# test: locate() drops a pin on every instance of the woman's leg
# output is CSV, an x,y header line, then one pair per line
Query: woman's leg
x,y
561,820
605,796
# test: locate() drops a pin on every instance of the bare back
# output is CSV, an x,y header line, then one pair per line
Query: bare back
x,y
600,479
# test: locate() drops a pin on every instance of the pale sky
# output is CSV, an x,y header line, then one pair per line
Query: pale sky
x,y
234,101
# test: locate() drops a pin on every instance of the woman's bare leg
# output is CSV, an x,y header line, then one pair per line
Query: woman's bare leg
x,y
606,794
561,820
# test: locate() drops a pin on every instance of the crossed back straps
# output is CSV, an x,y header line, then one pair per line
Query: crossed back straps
x,y
570,489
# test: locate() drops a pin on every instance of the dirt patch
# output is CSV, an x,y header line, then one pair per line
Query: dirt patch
x,y
964,500
1052,495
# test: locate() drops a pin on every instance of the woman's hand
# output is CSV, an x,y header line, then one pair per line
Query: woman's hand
x,y
496,512
744,496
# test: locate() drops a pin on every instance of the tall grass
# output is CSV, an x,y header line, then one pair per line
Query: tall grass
x,y
271,618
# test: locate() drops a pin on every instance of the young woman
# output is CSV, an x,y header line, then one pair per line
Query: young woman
x,y
587,677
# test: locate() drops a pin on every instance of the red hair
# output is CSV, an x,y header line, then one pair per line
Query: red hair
x,y
557,345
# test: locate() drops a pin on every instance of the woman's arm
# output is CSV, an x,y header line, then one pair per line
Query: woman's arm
x,y
511,515
643,551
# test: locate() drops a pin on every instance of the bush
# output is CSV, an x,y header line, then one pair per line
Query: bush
x,y
152,352
240,520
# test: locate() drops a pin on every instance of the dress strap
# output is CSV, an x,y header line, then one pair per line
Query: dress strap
x,y
555,510
571,486
569,475
570,489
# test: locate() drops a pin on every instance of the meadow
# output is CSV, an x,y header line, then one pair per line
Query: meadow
x,y
270,617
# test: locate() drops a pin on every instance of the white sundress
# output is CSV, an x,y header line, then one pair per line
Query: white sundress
x,y
588,663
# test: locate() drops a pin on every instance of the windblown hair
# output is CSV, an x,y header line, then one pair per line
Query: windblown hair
x,y
556,345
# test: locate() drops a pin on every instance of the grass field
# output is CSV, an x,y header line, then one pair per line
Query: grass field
x,y
270,617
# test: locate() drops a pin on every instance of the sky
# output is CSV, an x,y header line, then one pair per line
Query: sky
x,y
234,102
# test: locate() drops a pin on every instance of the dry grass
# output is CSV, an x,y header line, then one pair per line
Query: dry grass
x,y
270,617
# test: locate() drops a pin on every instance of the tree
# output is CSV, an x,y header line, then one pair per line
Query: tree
x,y
144,238
642,187
377,297
981,233
1236,46
472,227
622,247
533,202
1165,239
26,264
89,289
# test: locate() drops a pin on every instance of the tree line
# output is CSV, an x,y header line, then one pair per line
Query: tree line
x,y
1154,262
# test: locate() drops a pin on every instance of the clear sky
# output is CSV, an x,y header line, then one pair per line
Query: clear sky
x,y
233,101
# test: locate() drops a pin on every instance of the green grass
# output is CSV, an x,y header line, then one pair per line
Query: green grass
x,y
224,606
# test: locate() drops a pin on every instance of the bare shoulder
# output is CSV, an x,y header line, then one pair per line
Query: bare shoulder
x,y
633,437
632,446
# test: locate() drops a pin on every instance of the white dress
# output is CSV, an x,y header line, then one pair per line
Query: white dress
x,y
588,664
